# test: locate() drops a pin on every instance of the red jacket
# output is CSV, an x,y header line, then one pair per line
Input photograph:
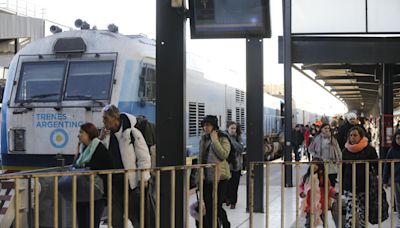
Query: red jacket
x,y
307,137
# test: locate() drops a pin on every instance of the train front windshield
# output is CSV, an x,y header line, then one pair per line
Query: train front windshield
x,y
84,80
89,80
40,81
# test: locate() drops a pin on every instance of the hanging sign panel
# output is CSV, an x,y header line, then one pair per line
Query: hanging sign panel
x,y
229,19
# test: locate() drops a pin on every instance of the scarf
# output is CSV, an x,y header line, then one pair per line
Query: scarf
x,y
334,149
86,155
355,148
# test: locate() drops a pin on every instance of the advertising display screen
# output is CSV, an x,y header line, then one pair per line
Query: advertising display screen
x,y
229,19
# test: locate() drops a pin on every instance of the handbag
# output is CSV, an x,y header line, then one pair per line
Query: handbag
x,y
374,199
82,187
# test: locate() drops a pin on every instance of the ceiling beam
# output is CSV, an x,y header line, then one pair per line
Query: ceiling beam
x,y
369,79
335,49
347,84
357,68
318,77
354,90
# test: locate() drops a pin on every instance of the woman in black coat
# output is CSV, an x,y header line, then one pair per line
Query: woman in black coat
x,y
94,155
356,148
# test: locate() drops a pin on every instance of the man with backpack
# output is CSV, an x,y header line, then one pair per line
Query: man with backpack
x,y
129,150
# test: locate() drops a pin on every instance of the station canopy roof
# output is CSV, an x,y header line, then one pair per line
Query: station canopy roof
x,y
356,84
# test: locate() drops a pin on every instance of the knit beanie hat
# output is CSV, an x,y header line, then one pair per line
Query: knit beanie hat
x,y
213,120
351,115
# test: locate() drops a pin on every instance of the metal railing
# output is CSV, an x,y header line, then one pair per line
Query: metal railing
x,y
186,170
35,177
23,8
339,187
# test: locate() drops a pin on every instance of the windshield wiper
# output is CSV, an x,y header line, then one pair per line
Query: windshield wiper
x,y
86,97
40,96
43,95
83,97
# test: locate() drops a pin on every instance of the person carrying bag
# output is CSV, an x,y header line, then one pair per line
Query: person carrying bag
x,y
91,155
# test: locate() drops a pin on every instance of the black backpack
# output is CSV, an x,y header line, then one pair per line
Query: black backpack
x,y
126,123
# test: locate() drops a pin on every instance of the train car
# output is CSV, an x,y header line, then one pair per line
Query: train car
x,y
59,82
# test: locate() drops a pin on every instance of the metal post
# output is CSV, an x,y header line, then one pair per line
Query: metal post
x,y
171,81
287,40
254,117
387,107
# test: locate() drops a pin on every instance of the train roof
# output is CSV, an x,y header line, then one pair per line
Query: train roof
x,y
95,40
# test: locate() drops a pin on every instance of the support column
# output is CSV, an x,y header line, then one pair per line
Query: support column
x,y
254,117
387,109
287,55
170,118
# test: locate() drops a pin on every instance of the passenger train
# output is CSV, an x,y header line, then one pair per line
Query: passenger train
x,y
61,81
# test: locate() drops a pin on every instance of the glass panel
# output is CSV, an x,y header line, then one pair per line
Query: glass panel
x,y
89,80
142,83
151,84
40,81
383,16
339,16
7,46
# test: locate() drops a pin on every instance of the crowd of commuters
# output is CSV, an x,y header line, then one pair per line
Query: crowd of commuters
x,y
126,142
121,145
338,142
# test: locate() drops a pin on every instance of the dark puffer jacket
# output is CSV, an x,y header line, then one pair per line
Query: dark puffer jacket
x,y
235,155
368,153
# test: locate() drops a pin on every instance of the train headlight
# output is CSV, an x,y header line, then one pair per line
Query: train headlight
x,y
17,139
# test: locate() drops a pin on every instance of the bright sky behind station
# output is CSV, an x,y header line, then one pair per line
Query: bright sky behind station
x,y
139,16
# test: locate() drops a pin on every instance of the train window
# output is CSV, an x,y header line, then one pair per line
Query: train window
x,y
201,112
40,81
147,83
192,119
89,80
229,114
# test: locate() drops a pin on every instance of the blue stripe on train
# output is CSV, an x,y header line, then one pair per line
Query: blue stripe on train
x,y
136,108
4,146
